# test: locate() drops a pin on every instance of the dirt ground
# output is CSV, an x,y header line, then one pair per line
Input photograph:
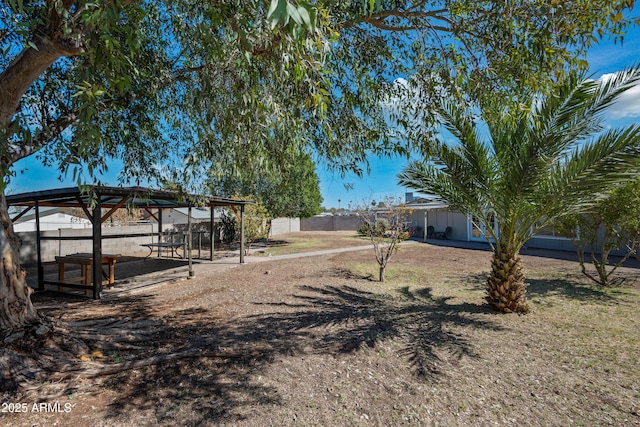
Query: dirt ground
x,y
315,341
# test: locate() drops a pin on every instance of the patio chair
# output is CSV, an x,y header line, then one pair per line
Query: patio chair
x,y
430,232
444,235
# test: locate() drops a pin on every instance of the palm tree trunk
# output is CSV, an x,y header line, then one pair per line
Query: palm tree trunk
x,y
16,309
506,287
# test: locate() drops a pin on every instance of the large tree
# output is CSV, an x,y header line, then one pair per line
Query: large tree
x,y
539,158
153,83
289,188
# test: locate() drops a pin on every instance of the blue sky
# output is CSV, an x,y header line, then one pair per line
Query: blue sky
x,y
381,182
604,58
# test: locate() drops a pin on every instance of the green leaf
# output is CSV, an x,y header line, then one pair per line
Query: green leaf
x,y
278,12
272,8
292,11
306,18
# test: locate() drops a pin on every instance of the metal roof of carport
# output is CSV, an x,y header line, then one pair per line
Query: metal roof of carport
x,y
93,198
109,197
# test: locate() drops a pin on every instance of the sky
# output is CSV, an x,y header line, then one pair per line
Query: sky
x,y
604,58
381,182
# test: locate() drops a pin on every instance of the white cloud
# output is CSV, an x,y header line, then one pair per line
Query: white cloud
x,y
627,105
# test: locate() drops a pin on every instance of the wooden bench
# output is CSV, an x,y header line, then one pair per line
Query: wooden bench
x,y
168,245
85,260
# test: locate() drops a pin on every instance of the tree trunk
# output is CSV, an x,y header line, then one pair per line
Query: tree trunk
x,y
506,288
16,309
381,273
20,74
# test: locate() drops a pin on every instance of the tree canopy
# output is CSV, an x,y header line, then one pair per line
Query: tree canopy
x,y
290,188
161,83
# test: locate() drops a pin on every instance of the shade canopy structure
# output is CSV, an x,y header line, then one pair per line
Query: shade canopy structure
x,y
93,199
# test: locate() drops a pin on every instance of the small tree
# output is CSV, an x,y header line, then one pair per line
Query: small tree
x,y
257,224
229,227
612,224
386,229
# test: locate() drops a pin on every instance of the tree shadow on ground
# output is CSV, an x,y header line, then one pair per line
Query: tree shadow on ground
x,y
571,287
344,319
275,242
568,288
321,320
131,267
345,273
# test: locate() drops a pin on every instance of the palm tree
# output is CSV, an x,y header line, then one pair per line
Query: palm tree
x,y
528,166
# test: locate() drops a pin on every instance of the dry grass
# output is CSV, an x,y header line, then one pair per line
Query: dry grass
x,y
323,344
310,241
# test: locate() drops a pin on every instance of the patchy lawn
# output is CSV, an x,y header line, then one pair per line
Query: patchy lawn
x,y
309,241
314,341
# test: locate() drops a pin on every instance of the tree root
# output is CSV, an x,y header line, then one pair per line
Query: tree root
x,y
37,391
47,359
31,366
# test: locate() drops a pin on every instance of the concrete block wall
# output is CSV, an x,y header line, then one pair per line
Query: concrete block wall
x,y
331,223
284,226
53,248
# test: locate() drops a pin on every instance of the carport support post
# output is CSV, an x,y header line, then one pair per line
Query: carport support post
x,y
190,244
212,231
39,249
159,230
97,249
241,234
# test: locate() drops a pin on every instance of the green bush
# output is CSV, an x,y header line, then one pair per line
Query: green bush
x,y
363,230
229,227
377,229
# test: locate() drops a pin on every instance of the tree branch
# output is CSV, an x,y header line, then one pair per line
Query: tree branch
x,y
408,14
377,19
16,79
383,26
21,149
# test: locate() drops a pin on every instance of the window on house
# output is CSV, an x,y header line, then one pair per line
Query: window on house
x,y
475,230
548,230
478,231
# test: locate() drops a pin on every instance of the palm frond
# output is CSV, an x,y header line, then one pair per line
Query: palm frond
x,y
432,179
471,161
611,159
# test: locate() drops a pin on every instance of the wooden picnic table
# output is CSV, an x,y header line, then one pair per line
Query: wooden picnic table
x,y
85,260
